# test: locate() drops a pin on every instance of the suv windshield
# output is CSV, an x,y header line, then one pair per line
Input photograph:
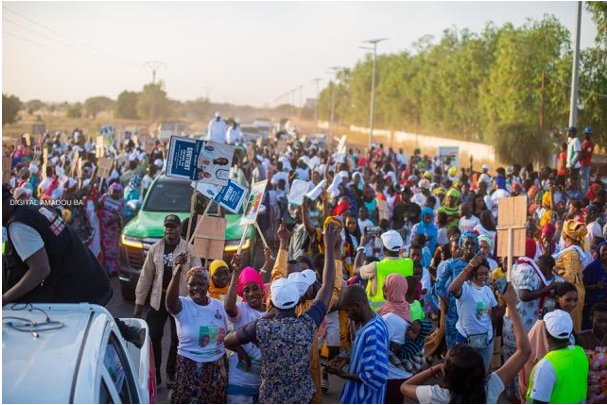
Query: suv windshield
x,y
169,196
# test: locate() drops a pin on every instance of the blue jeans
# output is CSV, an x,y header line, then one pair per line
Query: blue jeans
x,y
485,353
585,180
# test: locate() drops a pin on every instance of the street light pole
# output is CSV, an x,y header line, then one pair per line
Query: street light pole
x,y
316,80
374,42
576,64
334,70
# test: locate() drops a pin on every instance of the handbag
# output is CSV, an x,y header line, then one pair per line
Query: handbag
x,y
478,340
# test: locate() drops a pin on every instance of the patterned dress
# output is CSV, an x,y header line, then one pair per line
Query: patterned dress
x,y
286,379
452,270
110,218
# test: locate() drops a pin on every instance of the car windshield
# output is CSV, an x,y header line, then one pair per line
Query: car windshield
x,y
169,196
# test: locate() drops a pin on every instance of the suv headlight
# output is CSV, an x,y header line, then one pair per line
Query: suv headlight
x,y
131,242
232,245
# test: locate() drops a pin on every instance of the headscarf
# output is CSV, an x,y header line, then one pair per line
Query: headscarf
x,y
428,229
395,287
214,291
594,188
466,235
575,230
488,239
451,211
115,186
548,231
546,199
530,248
341,208
135,181
200,271
249,275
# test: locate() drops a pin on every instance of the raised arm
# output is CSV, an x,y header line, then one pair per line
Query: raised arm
x,y
456,286
172,304
517,361
305,217
328,274
230,303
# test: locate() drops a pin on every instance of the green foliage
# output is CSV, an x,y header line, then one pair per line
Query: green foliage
x,y
95,105
126,105
33,105
519,143
10,108
74,111
153,104
477,86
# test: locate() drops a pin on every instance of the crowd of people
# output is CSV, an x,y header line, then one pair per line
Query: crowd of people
x,y
388,278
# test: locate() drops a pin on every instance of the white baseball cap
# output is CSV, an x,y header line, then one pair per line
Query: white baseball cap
x,y
424,183
558,324
392,240
485,167
303,280
285,294
217,113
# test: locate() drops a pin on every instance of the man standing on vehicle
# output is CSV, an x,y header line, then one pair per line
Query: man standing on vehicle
x,y
234,135
574,153
586,159
45,261
156,274
217,129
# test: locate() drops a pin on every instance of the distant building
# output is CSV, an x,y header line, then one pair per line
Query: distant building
x,y
310,103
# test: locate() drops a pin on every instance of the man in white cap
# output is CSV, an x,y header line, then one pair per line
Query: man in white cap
x,y
234,134
420,197
377,272
217,129
484,177
561,377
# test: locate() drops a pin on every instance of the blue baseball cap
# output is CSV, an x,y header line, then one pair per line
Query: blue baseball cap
x,y
588,130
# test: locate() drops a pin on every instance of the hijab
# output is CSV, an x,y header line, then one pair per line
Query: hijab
x,y
215,292
395,288
428,229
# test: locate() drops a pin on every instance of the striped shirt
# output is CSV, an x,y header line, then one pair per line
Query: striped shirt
x,y
370,362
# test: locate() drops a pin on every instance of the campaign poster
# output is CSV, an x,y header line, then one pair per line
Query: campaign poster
x,y
214,162
297,192
254,203
231,197
452,152
183,157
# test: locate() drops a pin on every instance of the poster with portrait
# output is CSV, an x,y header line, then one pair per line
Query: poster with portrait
x,y
254,203
213,163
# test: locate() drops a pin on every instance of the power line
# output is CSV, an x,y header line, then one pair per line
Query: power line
x,y
80,44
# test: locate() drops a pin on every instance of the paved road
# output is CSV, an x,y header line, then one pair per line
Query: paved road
x,y
123,309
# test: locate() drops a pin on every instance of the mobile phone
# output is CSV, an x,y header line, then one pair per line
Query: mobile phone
x,y
372,230
289,221
501,284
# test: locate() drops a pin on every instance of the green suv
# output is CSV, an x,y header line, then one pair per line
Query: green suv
x,y
169,195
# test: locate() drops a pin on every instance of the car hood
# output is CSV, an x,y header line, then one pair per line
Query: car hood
x,y
148,224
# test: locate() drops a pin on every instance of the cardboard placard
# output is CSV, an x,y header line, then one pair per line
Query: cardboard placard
x,y
254,203
6,169
100,147
511,217
105,167
209,237
298,190
44,162
214,162
382,209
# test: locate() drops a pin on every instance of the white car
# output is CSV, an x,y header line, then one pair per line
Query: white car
x,y
264,126
73,353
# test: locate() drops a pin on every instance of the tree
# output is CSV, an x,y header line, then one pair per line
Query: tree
x,y
126,105
33,105
153,104
10,108
74,111
95,105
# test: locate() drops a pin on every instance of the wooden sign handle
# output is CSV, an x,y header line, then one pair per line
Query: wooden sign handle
x,y
244,236
192,205
204,214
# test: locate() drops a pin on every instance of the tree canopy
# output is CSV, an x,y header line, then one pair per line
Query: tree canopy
x,y
10,108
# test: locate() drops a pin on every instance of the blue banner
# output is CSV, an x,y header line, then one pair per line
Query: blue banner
x,y
231,197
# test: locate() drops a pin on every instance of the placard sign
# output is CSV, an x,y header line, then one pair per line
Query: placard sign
x,y
298,190
254,203
105,167
214,162
6,169
183,157
209,237
511,229
231,197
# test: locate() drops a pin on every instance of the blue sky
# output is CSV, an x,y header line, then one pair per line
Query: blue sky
x,y
240,52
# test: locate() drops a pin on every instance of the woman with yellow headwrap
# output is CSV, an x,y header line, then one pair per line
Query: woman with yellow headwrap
x,y
220,279
545,212
571,262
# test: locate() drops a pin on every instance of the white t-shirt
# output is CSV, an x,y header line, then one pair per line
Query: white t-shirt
x,y
362,224
482,231
26,239
473,307
544,378
434,394
397,327
237,373
201,330
419,199
466,224
217,131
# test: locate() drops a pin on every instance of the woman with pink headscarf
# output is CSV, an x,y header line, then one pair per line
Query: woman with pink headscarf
x,y
396,312
111,208
245,363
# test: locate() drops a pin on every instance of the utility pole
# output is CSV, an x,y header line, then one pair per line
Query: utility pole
x,y
206,90
154,65
576,64
333,70
300,101
316,80
373,42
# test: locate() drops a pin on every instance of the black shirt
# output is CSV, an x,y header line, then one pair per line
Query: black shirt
x,y
167,257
